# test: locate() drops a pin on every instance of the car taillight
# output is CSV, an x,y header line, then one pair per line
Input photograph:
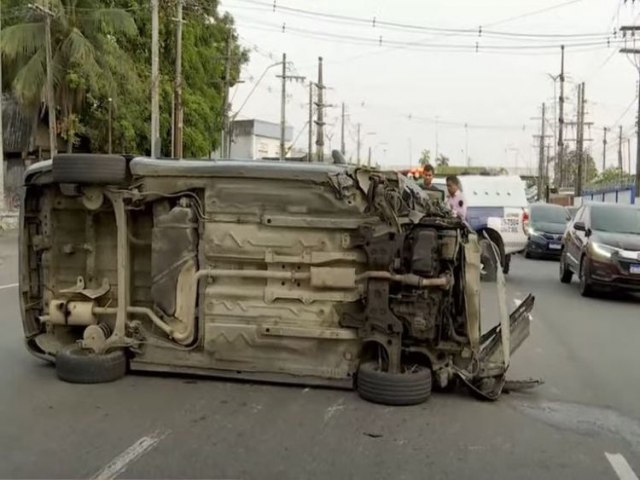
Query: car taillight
x,y
525,221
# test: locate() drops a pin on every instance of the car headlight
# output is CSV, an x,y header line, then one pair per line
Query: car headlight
x,y
603,250
533,232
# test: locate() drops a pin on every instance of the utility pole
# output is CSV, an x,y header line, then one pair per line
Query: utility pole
x,y
560,160
2,205
604,148
342,147
320,120
310,146
225,137
110,124
51,107
358,146
541,153
369,158
179,115
580,138
546,175
283,105
620,149
155,80
634,51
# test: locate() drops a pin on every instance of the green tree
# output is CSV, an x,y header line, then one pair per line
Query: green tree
x,y
589,170
85,37
442,160
612,176
425,158
205,36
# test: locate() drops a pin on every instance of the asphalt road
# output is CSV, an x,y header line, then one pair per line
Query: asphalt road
x,y
583,423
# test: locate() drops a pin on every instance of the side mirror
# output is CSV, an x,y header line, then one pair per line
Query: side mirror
x,y
580,227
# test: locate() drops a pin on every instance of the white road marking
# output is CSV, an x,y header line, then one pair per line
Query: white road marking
x,y
10,285
119,464
332,410
621,467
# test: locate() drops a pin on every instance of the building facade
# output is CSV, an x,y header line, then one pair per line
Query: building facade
x,y
256,139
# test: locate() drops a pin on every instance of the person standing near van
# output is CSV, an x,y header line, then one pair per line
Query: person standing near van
x,y
455,199
427,178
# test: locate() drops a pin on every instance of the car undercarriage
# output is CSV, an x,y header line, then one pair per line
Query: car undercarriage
x,y
274,271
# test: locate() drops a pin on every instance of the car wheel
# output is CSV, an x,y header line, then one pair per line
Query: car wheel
x,y
411,387
586,290
507,264
527,253
489,261
77,365
89,169
565,273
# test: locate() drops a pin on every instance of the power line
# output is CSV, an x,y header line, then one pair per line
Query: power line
x,y
381,24
476,47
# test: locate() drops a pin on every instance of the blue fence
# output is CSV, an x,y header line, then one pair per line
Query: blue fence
x,y
625,194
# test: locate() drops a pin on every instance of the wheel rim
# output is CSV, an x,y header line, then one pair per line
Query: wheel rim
x,y
583,277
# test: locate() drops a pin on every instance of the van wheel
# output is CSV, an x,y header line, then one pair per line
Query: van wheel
x,y
94,169
507,264
77,365
410,387
489,261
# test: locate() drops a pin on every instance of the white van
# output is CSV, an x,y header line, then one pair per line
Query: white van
x,y
497,206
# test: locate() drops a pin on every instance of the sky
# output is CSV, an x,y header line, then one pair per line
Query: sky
x,y
420,72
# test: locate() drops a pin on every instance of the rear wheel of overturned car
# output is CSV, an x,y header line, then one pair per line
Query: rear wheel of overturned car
x,y
565,273
410,387
489,261
89,169
78,365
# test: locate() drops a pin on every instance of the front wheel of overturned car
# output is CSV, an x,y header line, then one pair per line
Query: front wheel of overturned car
x,y
411,387
565,273
489,261
78,365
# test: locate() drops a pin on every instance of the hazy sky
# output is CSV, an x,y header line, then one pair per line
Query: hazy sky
x,y
407,94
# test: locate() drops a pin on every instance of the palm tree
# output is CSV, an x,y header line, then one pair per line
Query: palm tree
x,y
442,161
85,42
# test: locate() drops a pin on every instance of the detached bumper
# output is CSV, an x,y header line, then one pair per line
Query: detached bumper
x,y
497,346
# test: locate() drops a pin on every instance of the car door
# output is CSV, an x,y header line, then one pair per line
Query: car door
x,y
575,239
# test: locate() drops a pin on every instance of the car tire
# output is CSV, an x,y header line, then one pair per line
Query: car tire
x,y
585,287
77,365
527,253
565,272
90,169
489,261
507,264
407,388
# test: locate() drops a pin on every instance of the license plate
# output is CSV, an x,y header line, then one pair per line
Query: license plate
x,y
557,246
634,269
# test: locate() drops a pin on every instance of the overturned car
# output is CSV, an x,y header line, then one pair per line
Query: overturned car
x,y
276,271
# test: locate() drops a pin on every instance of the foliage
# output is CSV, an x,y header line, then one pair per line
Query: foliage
x,y
425,158
442,160
612,176
102,58
589,170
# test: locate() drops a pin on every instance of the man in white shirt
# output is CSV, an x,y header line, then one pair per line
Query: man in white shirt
x,y
455,199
